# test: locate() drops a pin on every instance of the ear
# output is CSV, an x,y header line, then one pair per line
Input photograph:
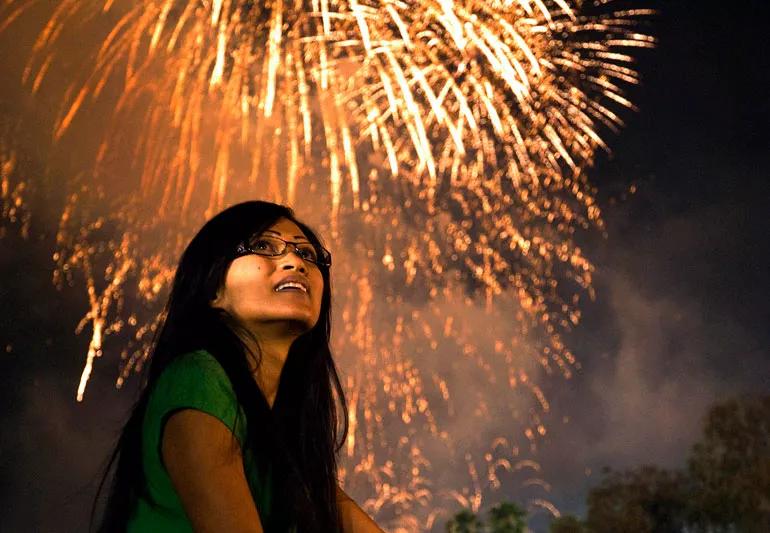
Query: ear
x,y
219,299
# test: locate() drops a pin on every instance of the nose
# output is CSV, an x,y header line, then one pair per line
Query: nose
x,y
293,260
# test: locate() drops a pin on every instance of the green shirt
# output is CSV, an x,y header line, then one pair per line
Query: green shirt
x,y
194,380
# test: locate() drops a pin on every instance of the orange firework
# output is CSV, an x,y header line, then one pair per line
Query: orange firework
x,y
14,210
441,145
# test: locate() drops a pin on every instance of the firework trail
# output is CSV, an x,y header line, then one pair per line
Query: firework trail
x,y
440,145
13,204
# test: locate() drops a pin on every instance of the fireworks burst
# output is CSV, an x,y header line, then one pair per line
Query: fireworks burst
x,y
442,147
14,210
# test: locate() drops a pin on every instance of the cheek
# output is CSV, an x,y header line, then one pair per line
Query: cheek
x,y
318,296
245,280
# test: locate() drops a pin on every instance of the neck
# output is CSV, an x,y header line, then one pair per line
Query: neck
x,y
274,349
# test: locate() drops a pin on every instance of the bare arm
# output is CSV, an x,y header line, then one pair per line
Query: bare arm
x,y
354,519
208,474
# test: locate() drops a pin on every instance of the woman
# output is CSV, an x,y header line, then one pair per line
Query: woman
x,y
236,427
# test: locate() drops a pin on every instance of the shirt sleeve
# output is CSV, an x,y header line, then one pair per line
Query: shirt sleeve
x,y
195,381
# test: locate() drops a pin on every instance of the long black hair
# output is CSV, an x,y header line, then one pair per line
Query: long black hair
x,y
306,429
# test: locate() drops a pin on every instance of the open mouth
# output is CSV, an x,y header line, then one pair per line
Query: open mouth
x,y
293,284
292,287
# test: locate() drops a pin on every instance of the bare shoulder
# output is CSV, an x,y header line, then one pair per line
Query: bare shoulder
x,y
205,465
354,519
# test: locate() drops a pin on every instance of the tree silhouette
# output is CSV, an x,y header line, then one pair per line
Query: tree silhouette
x,y
507,517
730,467
464,522
646,499
724,489
567,524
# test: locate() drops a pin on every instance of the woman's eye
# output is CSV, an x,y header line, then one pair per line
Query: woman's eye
x,y
262,244
308,253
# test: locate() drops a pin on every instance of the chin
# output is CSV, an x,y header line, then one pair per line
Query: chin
x,y
301,326
299,321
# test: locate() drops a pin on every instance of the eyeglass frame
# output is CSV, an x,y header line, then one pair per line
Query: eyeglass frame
x,y
244,249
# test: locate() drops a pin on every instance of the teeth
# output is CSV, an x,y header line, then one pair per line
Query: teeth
x,y
291,284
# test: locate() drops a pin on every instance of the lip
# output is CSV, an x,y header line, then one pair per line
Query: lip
x,y
302,280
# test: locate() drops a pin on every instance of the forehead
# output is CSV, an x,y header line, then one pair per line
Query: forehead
x,y
287,229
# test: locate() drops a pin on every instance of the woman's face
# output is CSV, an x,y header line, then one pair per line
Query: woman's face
x,y
252,293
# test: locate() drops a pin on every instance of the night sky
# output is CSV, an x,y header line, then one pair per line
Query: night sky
x,y
682,313
680,319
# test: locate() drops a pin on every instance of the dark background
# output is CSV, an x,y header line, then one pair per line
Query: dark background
x,y
680,320
682,313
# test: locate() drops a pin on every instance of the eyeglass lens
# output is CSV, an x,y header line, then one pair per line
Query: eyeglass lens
x,y
266,245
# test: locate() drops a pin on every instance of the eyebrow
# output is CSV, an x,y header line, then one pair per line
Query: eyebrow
x,y
278,233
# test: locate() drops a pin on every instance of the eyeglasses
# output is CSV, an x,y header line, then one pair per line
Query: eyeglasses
x,y
269,246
